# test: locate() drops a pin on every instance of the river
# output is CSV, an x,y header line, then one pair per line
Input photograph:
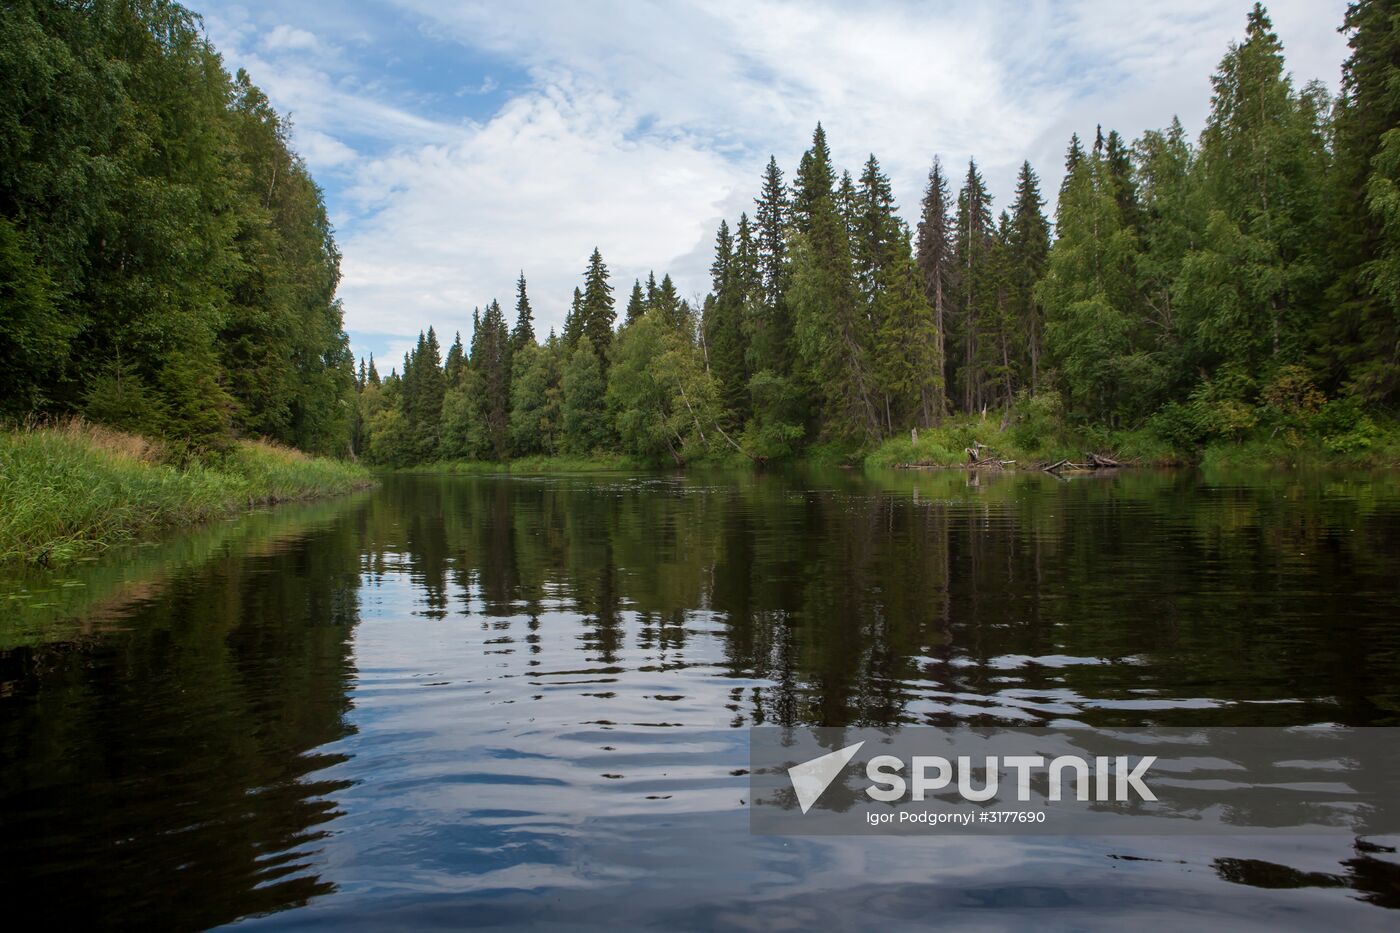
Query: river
x,y
504,700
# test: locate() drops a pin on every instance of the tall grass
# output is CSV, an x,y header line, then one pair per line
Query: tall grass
x,y
71,488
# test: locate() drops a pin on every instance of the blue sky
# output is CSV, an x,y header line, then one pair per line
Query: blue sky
x,y
461,143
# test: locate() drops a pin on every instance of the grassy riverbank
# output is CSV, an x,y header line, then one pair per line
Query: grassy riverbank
x,y
1368,443
71,489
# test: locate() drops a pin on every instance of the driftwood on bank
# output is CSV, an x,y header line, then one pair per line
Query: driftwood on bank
x,y
981,456
1092,461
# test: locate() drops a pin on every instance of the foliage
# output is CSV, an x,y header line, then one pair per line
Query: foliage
x,y
165,258
73,487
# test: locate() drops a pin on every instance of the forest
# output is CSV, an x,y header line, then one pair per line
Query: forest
x,y
169,269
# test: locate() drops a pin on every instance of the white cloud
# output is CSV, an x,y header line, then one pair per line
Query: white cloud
x,y
289,38
642,124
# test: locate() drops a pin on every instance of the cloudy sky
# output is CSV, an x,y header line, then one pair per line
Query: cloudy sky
x,y
460,143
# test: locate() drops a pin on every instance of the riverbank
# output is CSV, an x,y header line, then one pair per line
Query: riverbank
x,y
71,489
1366,444
595,463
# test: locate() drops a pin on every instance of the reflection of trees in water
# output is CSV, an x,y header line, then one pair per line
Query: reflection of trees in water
x,y
920,598
164,774
1376,879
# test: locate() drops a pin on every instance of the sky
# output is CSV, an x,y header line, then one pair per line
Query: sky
x,y
460,144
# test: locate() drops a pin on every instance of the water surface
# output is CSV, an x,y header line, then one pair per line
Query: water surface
x,y
493,701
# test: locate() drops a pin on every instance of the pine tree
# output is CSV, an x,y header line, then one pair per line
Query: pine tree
x,y
814,181
424,386
636,304
524,331
1172,223
772,339
491,363
905,341
669,306
876,228
1028,248
597,308
830,326
936,264
373,373
846,206
1073,156
1087,292
456,361
722,326
573,321
974,235
1120,172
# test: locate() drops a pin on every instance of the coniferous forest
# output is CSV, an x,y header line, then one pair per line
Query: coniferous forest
x,y
169,269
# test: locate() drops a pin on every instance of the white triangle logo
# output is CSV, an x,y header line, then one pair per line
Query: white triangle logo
x,y
811,778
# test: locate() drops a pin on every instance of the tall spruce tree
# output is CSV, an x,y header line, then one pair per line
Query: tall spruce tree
x,y
491,361
722,326
523,333
597,308
772,340
636,303
974,234
815,178
829,319
1028,248
936,264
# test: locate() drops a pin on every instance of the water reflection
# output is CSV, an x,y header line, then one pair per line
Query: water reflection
x,y
474,691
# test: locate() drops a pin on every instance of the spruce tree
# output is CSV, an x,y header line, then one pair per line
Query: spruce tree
x,y
491,363
573,321
523,333
1087,292
597,308
456,361
936,264
669,306
722,326
1028,247
829,321
636,303
973,237
876,225
771,348
815,177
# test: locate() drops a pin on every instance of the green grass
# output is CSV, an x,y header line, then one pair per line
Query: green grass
x,y
73,488
1033,446
596,463
946,446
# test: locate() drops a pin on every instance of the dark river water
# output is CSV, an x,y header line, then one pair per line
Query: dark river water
x,y
500,701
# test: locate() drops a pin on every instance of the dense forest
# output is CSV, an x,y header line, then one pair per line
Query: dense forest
x,y
166,263
168,268
1195,291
